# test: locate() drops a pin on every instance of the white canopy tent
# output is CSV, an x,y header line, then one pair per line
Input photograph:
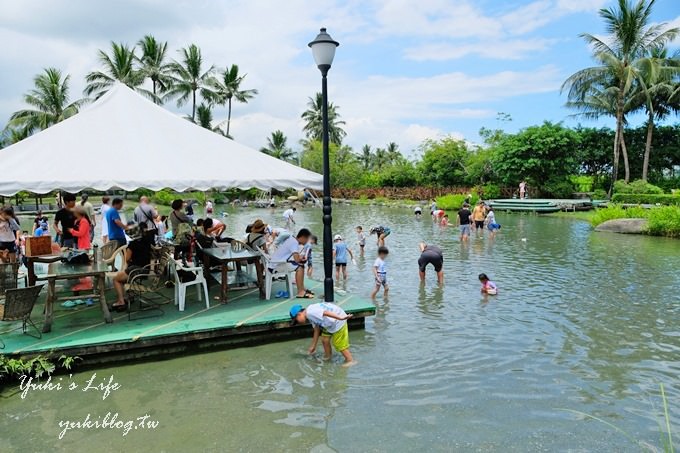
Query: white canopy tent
x,y
124,141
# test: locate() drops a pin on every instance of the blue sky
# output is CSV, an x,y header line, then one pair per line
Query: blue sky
x,y
406,70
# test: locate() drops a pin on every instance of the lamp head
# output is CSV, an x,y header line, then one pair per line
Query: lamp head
x,y
323,49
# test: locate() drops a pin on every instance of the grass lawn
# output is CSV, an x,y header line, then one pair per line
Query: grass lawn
x,y
585,216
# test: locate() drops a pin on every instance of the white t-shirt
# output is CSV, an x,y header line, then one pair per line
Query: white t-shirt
x,y
288,214
208,205
317,319
285,251
491,217
104,223
380,264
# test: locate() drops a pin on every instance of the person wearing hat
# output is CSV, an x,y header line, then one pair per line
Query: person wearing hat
x,y
256,237
330,323
137,257
340,252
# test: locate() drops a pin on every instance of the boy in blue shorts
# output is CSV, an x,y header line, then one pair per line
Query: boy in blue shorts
x,y
330,323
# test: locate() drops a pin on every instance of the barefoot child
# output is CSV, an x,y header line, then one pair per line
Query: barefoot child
x,y
380,272
361,236
340,252
330,323
307,252
488,287
382,232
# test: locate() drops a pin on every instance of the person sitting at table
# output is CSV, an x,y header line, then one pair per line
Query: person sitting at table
x,y
255,238
287,258
138,257
213,227
82,228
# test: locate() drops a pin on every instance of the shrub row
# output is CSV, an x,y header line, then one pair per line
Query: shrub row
x,y
646,198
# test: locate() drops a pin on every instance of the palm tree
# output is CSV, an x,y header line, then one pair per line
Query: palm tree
x,y
366,157
381,158
228,87
204,118
118,67
658,73
314,127
188,77
393,154
277,146
50,104
153,64
630,37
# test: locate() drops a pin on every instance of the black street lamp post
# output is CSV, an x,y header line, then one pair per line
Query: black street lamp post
x,y
323,49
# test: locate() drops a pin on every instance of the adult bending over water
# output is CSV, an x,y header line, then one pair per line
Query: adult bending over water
x,y
287,258
431,254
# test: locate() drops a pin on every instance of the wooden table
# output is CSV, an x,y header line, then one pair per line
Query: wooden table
x,y
31,260
224,256
62,271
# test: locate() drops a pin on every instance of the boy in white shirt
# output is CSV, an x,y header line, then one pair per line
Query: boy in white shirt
x,y
288,258
380,272
330,323
288,217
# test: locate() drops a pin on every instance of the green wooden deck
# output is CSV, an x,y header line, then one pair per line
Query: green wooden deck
x,y
245,319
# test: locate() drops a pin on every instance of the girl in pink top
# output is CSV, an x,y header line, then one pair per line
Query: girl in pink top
x,y
488,287
81,230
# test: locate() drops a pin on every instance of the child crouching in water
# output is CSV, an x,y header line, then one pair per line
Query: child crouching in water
x,y
330,323
380,272
488,287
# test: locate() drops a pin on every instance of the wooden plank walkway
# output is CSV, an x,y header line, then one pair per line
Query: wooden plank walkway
x,y
245,319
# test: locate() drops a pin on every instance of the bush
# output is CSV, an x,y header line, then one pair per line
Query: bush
x,y
582,183
599,194
491,191
668,184
558,188
638,186
618,212
164,197
664,221
635,198
453,202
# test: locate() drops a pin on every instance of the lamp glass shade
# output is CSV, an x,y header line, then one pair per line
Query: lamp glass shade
x,y
323,48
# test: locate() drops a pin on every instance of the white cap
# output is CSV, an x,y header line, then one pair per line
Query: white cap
x,y
337,238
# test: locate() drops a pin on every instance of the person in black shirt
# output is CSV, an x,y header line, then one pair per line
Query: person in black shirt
x,y
431,254
64,220
463,221
137,257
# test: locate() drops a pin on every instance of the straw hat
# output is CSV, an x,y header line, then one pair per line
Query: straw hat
x,y
258,226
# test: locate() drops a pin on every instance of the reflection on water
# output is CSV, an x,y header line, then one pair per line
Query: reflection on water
x,y
583,321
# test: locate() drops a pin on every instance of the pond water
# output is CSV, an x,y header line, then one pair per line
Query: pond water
x,y
583,321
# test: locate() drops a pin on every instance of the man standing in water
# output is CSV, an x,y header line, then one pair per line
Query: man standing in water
x,y
431,254
463,222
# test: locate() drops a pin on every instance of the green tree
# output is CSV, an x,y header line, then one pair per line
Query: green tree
x,y
380,159
366,157
189,78
393,154
443,162
631,36
277,146
346,170
540,154
313,128
154,65
49,101
226,88
659,73
117,67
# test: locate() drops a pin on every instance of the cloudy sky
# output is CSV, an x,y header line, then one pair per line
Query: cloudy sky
x,y
406,70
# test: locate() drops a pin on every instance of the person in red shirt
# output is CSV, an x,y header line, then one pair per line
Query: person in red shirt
x,y
82,228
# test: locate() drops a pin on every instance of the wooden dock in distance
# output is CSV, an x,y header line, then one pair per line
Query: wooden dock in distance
x,y
245,320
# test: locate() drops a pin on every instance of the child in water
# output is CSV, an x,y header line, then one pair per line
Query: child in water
x,y
340,252
380,272
445,220
330,323
488,287
361,236
382,232
307,253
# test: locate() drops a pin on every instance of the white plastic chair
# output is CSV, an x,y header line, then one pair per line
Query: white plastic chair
x,y
181,287
270,276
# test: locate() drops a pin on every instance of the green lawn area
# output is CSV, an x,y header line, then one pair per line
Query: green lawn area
x,y
586,216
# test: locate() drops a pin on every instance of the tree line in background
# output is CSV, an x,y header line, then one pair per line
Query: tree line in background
x,y
186,80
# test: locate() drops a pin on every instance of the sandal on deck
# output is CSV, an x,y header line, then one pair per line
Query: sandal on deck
x,y
309,291
305,296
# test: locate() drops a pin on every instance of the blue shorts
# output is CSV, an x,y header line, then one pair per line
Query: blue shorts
x,y
381,280
465,230
386,232
493,226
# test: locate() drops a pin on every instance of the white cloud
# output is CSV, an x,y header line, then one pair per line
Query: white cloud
x,y
505,50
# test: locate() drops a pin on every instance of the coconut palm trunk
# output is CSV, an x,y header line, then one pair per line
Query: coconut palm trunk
x,y
624,154
193,106
648,145
229,117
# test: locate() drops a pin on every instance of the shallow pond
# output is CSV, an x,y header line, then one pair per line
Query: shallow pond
x,y
583,321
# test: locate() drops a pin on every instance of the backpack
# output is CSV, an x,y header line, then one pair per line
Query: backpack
x,y
185,232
